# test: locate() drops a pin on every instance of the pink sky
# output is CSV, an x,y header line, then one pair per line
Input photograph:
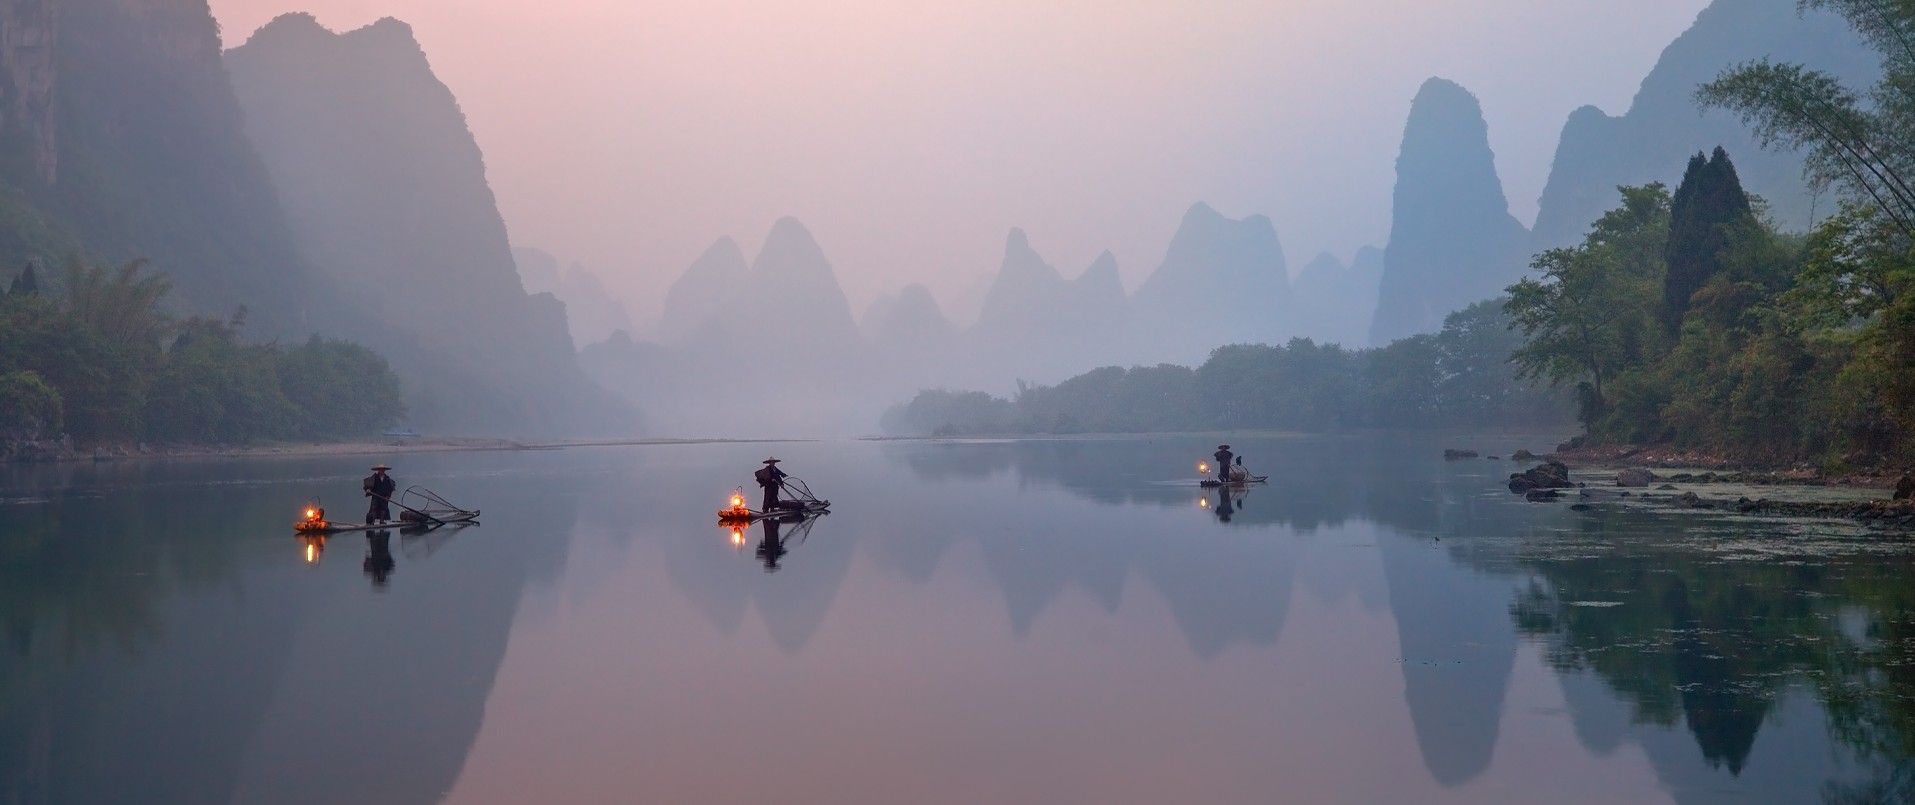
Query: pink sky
x,y
910,137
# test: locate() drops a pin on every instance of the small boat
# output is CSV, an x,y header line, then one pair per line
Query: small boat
x,y
1203,473
1212,483
420,507
800,503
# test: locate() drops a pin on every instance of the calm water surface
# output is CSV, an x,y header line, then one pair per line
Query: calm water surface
x,y
974,623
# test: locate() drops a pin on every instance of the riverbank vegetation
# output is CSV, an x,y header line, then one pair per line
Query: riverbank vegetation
x,y
1687,319
94,358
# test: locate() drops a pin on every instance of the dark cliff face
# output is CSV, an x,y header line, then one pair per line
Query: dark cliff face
x,y
27,32
120,138
1663,127
386,190
1222,281
1452,239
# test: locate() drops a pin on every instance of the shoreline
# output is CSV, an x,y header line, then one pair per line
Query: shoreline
x,y
1685,466
1677,480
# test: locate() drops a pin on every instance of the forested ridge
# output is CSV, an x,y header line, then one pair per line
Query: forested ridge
x,y
93,357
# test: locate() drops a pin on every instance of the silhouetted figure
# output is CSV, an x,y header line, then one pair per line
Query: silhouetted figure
x,y
379,487
772,547
772,480
1226,508
379,562
1223,456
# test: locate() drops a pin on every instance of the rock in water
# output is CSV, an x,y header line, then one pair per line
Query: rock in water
x,y
1548,475
1905,489
1452,455
1635,476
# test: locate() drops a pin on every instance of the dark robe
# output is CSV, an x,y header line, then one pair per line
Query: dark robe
x,y
772,479
379,487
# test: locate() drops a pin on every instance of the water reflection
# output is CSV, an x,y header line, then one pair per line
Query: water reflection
x,y
1229,501
1055,594
775,544
379,562
157,653
1715,632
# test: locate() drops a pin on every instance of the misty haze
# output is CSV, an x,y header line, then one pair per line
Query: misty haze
x,y
850,401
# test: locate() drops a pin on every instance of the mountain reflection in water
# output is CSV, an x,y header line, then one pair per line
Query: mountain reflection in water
x,y
1374,623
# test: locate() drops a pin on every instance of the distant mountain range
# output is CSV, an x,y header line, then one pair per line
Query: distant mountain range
x,y
329,183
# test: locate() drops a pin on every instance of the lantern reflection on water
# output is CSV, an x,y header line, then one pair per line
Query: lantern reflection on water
x,y
315,548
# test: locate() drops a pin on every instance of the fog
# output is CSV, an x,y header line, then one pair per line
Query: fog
x,y
909,138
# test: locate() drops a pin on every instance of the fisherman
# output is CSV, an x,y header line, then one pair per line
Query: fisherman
x,y
379,487
1223,456
772,480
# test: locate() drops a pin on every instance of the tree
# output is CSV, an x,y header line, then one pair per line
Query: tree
x,y
341,389
25,284
1709,209
1476,381
1868,151
119,304
1860,263
29,407
1585,316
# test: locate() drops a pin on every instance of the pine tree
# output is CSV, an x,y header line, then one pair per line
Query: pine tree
x,y
25,283
1708,206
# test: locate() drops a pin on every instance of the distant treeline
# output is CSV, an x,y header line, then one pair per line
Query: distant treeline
x,y
1460,376
99,361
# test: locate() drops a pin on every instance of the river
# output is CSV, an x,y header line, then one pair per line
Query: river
x,y
974,622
